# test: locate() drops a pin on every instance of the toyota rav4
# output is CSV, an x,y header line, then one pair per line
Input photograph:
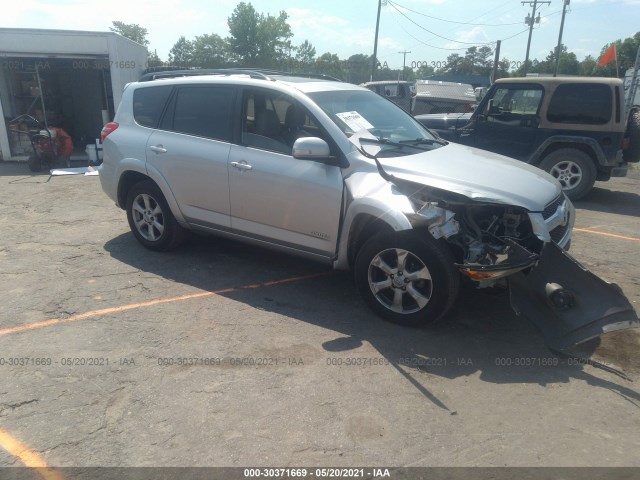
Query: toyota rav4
x,y
334,172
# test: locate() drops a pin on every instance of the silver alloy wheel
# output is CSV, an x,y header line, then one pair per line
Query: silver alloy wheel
x,y
400,281
148,217
568,173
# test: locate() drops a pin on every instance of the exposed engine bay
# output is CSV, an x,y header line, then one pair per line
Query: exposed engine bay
x,y
496,243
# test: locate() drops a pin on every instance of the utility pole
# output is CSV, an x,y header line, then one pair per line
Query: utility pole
x,y
530,20
559,48
375,44
496,62
404,61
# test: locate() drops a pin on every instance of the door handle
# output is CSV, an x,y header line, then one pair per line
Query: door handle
x,y
158,149
242,165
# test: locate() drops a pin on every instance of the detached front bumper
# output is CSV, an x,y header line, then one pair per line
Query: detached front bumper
x,y
568,303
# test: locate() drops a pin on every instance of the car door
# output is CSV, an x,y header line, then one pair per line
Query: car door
x,y
190,149
509,125
275,197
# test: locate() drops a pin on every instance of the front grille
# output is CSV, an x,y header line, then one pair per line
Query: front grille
x,y
553,206
559,232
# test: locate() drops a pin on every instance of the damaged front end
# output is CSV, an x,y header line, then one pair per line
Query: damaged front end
x,y
501,244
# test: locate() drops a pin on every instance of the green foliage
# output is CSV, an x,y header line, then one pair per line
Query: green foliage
x,y
259,40
305,54
154,60
243,27
209,51
626,50
329,64
132,31
358,68
181,54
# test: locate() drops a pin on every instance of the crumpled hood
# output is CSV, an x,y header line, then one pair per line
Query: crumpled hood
x,y
477,174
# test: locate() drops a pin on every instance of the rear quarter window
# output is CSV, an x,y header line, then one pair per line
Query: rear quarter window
x,y
148,104
584,103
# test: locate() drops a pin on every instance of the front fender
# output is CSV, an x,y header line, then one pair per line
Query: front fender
x,y
386,205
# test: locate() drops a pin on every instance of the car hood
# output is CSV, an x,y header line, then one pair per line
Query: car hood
x,y
477,174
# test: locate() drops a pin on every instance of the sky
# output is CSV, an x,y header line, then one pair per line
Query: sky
x,y
425,28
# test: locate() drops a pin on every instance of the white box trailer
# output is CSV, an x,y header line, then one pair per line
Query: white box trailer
x,y
73,79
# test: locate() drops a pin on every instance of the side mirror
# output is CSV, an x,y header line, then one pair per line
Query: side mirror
x,y
311,148
490,106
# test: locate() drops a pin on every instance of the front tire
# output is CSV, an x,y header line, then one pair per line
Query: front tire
x,y
150,217
407,278
574,169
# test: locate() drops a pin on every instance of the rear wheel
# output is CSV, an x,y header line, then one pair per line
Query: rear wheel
x,y
574,169
34,163
150,217
632,153
407,277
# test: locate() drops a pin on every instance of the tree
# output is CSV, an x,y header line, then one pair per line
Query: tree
x,y
132,31
273,40
209,51
424,70
504,66
154,60
305,54
569,64
588,66
454,65
181,53
329,64
626,51
243,27
358,68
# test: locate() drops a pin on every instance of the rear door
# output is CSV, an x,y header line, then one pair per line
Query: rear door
x,y
190,149
509,126
275,197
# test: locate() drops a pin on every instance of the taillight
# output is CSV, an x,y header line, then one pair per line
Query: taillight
x,y
107,129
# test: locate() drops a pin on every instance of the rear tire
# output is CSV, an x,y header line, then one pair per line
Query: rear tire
x,y
150,217
632,153
574,169
34,163
407,277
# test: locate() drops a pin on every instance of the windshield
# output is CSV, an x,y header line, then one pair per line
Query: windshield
x,y
355,110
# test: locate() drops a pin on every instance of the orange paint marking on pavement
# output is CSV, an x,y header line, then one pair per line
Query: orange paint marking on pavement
x,y
150,303
27,456
614,235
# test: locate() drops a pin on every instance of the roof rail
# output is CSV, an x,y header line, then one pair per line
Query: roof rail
x,y
262,74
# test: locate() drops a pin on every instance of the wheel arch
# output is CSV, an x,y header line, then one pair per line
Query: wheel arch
x,y
586,145
364,217
129,178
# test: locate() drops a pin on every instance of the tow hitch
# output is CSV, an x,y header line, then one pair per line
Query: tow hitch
x,y
567,302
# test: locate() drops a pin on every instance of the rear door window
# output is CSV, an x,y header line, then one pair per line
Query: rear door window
x,y
148,104
585,103
203,111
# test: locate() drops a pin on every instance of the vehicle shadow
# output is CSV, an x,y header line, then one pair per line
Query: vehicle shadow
x,y
611,201
480,334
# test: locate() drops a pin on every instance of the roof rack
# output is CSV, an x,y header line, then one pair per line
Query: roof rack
x,y
262,74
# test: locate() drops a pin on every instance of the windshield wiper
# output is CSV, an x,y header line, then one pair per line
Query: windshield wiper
x,y
386,141
427,141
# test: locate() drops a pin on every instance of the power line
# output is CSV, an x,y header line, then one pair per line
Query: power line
x,y
433,33
427,44
452,21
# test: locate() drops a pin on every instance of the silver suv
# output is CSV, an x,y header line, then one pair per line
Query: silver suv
x,y
334,172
